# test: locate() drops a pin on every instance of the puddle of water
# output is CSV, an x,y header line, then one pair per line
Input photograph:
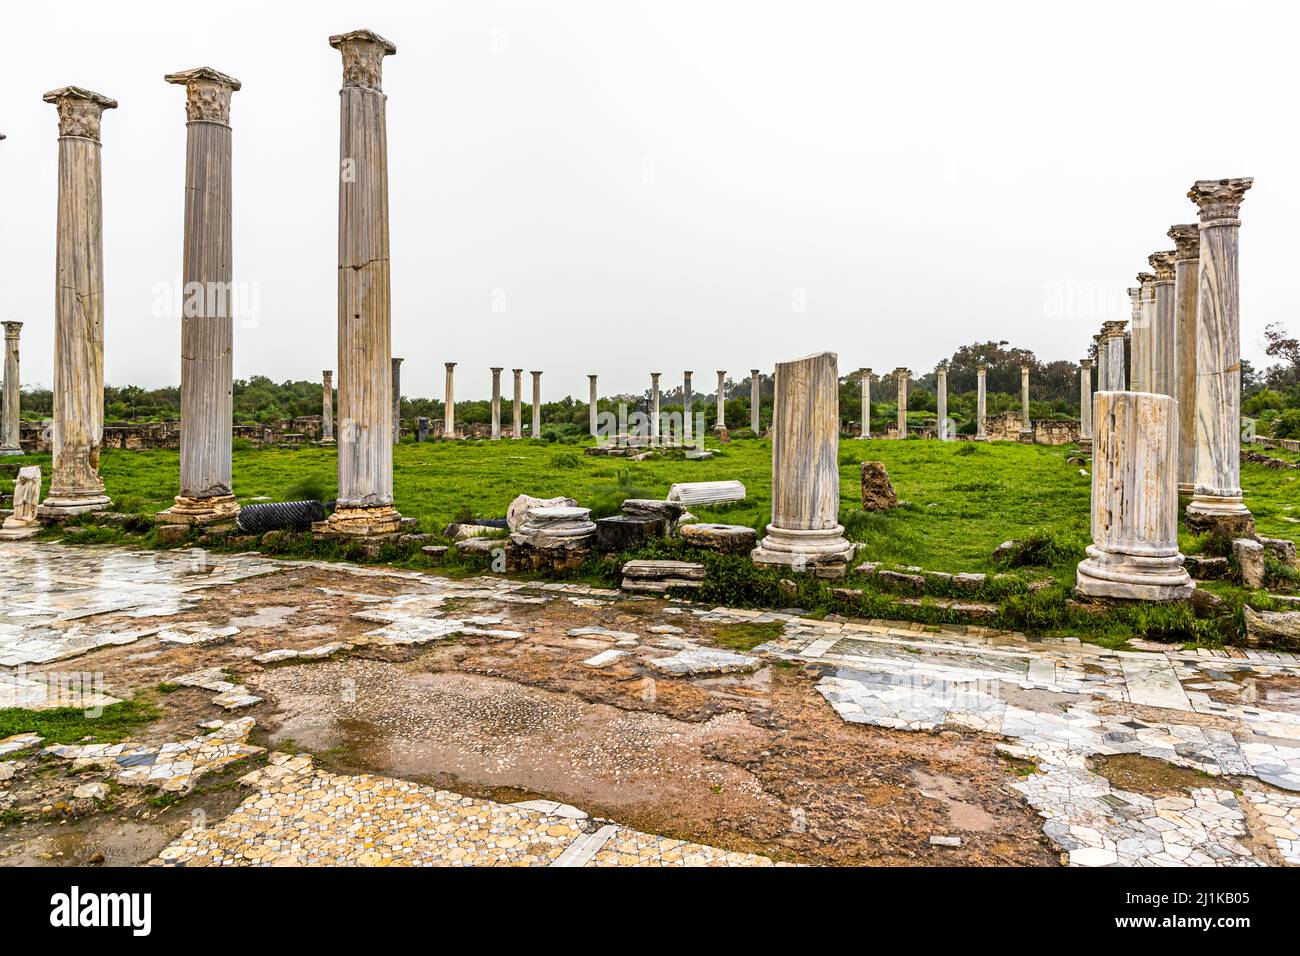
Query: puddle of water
x,y
952,793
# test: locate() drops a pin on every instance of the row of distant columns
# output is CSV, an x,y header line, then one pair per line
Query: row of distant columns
x,y
10,435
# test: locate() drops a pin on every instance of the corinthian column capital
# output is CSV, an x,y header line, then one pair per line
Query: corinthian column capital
x,y
1220,199
1187,241
363,58
1163,265
207,94
80,110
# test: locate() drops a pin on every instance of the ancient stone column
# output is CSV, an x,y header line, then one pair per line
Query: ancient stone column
x,y
207,333
942,375
1187,254
1134,554
327,406
1164,329
1142,359
537,405
654,407
10,433
721,426
1112,342
805,533
1217,502
397,400
1085,406
981,403
866,403
518,409
901,376
688,426
496,401
755,402
1099,348
593,411
78,386
449,400
365,437
1026,425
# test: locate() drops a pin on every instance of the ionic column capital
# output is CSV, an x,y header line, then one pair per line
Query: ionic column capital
x,y
363,58
80,111
1219,199
207,94
1187,241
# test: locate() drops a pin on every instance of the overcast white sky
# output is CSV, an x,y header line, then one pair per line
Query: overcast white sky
x,y
659,184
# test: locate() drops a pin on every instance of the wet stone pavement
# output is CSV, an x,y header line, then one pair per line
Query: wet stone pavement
x,y
1157,757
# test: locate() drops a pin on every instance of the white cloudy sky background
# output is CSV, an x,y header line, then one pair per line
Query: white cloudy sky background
x,y
656,184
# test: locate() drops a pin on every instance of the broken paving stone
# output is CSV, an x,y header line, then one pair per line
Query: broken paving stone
x,y
91,791
666,629
18,743
620,636
236,699
949,841
605,658
704,660
195,633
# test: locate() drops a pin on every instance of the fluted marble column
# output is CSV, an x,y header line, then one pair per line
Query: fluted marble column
x,y
755,402
981,402
805,533
688,399
517,420
1134,554
1098,346
901,376
866,403
365,400
1164,330
1142,357
75,485
1026,425
449,400
10,432
654,407
397,400
1085,406
537,405
593,409
207,335
496,401
1187,254
327,406
1112,342
1217,502
722,402
942,376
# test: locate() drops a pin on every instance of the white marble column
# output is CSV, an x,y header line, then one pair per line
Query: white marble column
x,y
805,533
981,402
941,375
1026,424
1142,357
654,407
78,387
517,421
365,399
688,400
1164,331
207,333
721,425
1112,342
866,403
397,400
537,405
901,376
1085,406
449,400
593,408
1217,502
327,406
1134,554
1187,254
755,402
1099,347
496,402
10,432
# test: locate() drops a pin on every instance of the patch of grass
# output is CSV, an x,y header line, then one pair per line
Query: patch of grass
x,y
66,725
747,635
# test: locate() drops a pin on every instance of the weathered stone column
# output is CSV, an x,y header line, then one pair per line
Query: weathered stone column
x,y
755,402
866,403
654,407
1085,406
688,397
1026,424
537,405
981,402
517,422
365,437
942,376
397,400
75,485
721,426
1112,343
449,400
1217,503
207,335
327,406
593,410
805,533
10,433
1164,330
1142,373
1134,554
496,402
901,376
1098,346
1187,254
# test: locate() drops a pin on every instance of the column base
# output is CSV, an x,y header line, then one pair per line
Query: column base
x,y
1186,488
1085,446
12,451
18,529
824,553
201,512
67,506
1223,514
359,522
1132,577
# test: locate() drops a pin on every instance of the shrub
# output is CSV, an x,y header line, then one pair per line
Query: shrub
x,y
566,460
1042,548
307,488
